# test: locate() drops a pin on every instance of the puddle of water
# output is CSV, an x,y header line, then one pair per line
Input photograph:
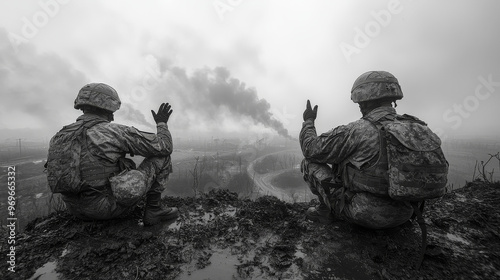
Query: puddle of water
x,y
222,267
457,238
299,254
345,268
46,272
176,225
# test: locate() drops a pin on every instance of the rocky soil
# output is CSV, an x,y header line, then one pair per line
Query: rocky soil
x,y
219,236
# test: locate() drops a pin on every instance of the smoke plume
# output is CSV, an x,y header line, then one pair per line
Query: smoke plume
x,y
38,90
213,95
127,112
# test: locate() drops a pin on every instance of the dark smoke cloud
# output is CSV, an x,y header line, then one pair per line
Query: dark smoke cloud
x,y
41,87
127,112
210,93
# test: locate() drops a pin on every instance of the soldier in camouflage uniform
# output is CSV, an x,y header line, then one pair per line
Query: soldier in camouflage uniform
x,y
344,166
103,159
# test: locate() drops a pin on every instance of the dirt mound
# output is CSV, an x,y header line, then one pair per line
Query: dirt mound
x,y
219,236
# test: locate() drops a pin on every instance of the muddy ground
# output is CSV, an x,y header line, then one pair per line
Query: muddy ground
x,y
219,236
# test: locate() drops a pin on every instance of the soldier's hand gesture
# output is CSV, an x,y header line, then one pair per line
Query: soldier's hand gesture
x,y
163,114
310,113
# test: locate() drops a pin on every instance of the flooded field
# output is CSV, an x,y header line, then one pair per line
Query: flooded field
x,y
281,177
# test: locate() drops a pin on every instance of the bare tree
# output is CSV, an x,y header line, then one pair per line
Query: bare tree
x,y
197,172
481,169
194,173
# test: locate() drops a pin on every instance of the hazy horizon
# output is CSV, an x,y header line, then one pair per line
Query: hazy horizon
x,y
248,67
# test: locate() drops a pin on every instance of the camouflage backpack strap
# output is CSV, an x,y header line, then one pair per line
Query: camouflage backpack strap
x,y
372,178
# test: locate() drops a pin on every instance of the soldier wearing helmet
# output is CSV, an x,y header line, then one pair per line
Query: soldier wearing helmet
x,y
87,163
345,167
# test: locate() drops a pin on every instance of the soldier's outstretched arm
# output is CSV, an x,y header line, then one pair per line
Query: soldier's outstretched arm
x,y
131,140
330,147
159,144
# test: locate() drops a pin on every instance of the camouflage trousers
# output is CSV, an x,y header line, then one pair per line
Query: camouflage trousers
x,y
321,181
99,203
361,208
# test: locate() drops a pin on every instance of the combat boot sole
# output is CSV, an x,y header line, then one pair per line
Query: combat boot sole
x,y
322,217
153,217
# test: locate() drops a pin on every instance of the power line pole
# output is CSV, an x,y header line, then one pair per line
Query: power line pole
x,y
19,140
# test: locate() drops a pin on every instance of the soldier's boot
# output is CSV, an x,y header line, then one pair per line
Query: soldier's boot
x,y
154,213
320,214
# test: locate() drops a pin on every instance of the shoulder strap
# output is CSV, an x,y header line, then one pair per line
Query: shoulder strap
x,y
86,126
381,136
410,118
372,177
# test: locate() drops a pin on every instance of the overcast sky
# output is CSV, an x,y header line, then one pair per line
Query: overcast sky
x,y
234,66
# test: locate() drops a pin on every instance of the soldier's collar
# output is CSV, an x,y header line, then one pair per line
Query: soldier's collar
x,y
89,117
379,112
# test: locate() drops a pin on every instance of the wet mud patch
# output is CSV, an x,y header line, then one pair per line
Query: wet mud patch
x,y
219,236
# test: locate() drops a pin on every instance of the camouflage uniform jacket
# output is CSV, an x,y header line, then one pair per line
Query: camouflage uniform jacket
x,y
108,143
111,141
356,143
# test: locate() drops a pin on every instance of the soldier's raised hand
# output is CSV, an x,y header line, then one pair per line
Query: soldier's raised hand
x,y
163,114
310,113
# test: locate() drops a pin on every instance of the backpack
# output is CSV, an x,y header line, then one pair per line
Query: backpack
x,y
417,167
63,160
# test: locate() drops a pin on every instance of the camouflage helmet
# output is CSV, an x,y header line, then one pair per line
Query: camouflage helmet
x,y
374,85
98,95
